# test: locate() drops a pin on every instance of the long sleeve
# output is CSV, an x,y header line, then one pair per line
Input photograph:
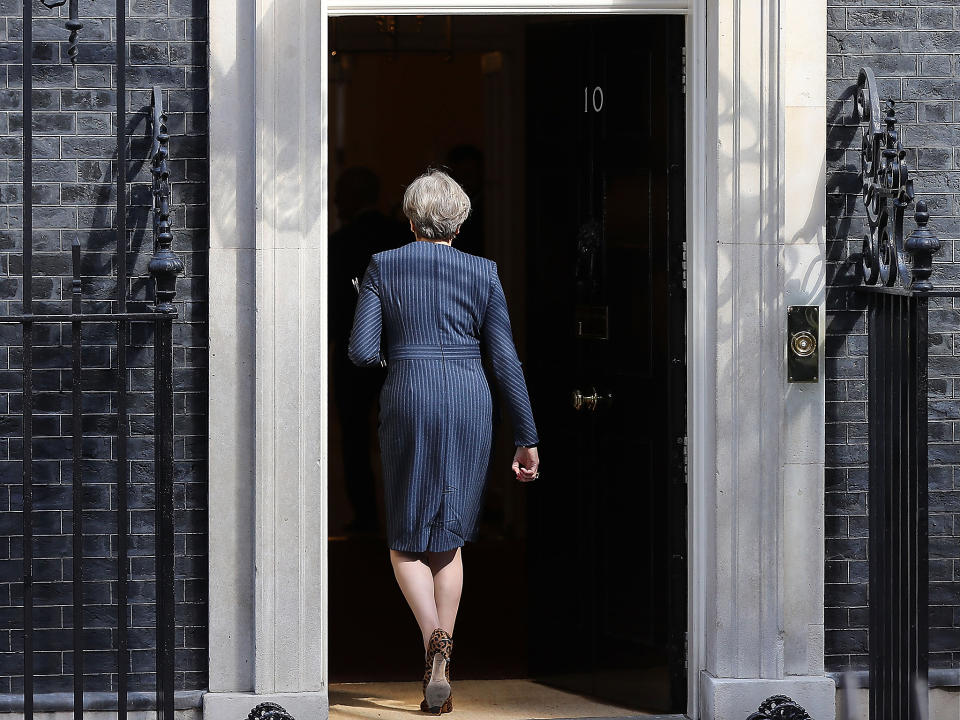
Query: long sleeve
x,y
496,337
364,346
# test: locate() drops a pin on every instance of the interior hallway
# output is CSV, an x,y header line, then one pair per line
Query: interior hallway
x,y
472,700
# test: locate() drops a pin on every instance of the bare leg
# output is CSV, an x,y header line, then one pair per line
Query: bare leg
x,y
447,568
416,582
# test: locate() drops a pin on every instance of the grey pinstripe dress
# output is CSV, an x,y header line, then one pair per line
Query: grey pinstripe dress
x,y
432,310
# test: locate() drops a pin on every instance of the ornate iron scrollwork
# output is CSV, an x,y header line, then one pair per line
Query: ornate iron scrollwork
x,y
73,24
886,188
164,265
779,707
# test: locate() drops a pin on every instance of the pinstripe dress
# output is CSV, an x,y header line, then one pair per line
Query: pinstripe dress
x,y
434,311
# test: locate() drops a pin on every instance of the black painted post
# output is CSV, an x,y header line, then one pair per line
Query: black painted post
x,y
123,468
164,267
897,407
27,309
77,384
163,463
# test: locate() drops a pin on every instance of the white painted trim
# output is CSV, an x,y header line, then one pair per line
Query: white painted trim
x,y
506,7
700,345
232,441
290,333
324,166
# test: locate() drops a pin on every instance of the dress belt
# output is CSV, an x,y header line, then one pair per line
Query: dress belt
x,y
435,352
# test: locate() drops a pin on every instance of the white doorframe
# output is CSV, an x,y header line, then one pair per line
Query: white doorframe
x,y
701,255
756,76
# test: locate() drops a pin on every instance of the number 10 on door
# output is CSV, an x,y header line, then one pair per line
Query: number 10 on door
x,y
596,100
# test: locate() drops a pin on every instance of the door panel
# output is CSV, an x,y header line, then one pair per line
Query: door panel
x,y
607,518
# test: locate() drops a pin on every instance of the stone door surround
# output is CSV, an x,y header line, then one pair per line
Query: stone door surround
x,y
756,77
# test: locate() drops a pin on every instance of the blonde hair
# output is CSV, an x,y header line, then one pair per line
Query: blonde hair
x,y
436,204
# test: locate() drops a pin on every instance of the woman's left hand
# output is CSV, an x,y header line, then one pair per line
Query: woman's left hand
x,y
526,464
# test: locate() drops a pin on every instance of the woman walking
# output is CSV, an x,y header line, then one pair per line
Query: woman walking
x,y
434,312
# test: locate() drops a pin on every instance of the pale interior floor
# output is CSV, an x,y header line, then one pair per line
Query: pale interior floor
x,y
472,700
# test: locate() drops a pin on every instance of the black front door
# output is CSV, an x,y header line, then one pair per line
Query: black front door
x,y
606,357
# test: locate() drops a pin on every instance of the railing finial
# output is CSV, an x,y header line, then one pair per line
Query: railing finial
x,y
922,244
165,265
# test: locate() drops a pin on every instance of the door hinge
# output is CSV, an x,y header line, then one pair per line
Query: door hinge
x,y
682,456
685,445
683,264
683,69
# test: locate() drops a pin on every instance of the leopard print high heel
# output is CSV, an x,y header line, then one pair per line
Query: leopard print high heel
x,y
448,705
437,693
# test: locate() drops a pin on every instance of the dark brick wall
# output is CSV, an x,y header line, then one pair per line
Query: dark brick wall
x,y
74,193
913,49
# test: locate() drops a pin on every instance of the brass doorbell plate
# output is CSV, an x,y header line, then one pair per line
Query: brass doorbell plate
x,y
803,348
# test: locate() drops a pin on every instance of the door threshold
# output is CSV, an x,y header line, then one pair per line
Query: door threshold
x,y
507,699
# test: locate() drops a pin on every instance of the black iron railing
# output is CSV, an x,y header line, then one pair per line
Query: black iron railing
x,y
896,281
164,268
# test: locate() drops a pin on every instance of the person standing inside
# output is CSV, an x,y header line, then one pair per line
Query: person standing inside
x,y
364,230
434,312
